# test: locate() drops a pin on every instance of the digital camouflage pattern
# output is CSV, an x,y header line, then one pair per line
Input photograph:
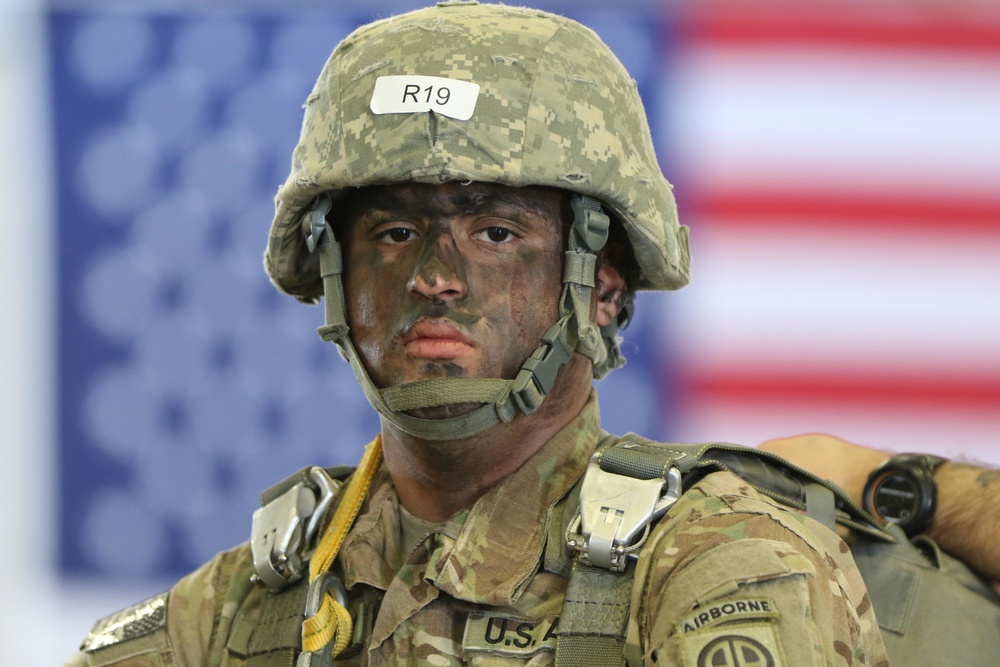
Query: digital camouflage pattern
x,y
725,571
555,108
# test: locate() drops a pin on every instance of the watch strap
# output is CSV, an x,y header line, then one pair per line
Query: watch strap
x,y
929,462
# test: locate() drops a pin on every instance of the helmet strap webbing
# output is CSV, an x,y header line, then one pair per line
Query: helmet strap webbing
x,y
501,399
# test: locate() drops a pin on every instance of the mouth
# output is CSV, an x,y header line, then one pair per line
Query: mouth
x,y
436,339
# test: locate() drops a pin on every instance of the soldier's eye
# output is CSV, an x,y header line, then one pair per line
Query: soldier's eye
x,y
495,234
395,235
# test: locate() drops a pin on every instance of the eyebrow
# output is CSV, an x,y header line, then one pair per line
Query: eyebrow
x,y
464,201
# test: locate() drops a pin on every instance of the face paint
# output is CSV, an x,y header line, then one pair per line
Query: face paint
x,y
450,280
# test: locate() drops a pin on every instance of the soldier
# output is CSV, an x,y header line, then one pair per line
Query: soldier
x,y
475,195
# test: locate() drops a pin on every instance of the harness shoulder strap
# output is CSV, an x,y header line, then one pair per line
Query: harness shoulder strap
x,y
629,484
594,616
285,529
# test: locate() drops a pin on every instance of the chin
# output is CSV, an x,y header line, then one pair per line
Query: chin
x,y
441,368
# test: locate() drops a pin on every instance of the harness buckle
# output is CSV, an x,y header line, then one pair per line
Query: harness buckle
x,y
614,510
326,582
284,529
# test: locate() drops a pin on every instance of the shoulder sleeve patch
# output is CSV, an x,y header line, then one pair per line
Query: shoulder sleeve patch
x,y
744,645
138,620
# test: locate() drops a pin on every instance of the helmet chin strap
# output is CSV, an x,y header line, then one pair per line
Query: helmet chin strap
x,y
501,400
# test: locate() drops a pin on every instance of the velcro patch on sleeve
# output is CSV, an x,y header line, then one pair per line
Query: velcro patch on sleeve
x,y
736,645
507,635
727,610
136,621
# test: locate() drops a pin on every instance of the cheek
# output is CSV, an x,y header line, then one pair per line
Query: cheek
x,y
534,289
367,299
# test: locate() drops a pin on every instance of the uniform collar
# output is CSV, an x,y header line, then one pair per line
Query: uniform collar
x,y
487,554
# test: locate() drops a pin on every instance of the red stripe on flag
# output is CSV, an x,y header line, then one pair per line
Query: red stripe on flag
x,y
782,208
959,27
936,392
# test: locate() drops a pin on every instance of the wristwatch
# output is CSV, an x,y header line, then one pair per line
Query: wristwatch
x,y
902,491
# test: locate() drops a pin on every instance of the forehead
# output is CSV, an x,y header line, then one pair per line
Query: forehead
x,y
456,198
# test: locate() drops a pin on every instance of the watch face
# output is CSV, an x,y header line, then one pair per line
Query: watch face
x,y
896,497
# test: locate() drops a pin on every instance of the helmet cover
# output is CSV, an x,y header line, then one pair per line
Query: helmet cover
x,y
554,107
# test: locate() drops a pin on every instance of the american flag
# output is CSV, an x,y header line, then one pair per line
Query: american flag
x,y
839,165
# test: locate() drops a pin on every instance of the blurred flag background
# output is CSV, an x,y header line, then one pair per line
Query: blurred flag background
x,y
838,164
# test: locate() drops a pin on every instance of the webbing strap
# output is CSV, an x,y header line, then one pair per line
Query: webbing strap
x,y
276,637
278,658
820,504
331,268
431,393
635,461
768,473
580,268
594,617
332,623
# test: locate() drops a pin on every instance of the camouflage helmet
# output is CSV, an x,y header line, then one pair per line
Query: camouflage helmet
x,y
468,92
521,97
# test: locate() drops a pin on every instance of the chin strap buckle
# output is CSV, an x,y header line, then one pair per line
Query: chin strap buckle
x,y
590,223
285,527
314,222
616,511
538,373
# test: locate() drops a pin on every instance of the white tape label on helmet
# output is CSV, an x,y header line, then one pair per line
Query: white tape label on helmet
x,y
415,94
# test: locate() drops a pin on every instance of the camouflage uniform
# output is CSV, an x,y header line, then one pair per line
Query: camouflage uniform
x,y
725,570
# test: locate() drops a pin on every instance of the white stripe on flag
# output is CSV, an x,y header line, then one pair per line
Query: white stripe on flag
x,y
862,119
839,174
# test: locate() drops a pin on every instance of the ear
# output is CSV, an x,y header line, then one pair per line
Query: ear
x,y
610,293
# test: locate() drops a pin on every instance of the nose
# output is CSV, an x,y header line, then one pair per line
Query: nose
x,y
440,271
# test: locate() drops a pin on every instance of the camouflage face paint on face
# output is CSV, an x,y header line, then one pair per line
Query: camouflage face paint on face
x,y
450,280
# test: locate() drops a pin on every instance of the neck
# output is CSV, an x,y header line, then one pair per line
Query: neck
x,y
436,479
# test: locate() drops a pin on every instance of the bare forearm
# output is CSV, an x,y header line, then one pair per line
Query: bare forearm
x,y
967,522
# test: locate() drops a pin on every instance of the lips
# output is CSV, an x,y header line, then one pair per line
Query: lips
x,y
436,339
